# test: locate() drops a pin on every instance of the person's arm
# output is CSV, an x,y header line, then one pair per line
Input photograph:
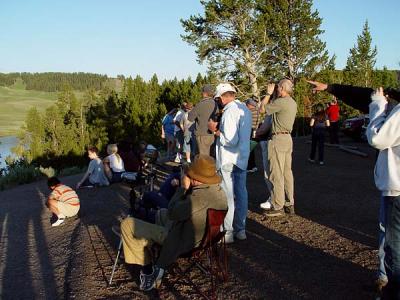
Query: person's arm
x,y
274,107
228,133
312,121
193,114
383,131
327,122
267,98
87,174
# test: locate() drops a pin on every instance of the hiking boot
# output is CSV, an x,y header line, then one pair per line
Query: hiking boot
x,y
58,222
241,235
275,213
290,210
149,282
321,163
311,160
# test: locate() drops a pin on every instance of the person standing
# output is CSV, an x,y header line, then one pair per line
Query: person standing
x,y
383,133
189,145
319,122
333,113
168,131
232,153
252,105
178,132
280,148
200,114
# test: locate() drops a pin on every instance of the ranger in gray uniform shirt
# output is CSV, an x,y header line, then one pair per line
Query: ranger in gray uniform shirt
x,y
280,148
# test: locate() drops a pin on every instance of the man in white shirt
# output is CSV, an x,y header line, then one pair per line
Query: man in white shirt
x,y
383,133
232,155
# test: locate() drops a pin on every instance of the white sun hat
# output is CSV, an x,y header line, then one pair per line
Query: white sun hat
x,y
223,88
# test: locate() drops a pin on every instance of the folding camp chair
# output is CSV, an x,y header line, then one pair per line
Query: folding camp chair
x,y
210,256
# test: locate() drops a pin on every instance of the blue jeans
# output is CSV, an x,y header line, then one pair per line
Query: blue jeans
x,y
381,238
234,185
392,248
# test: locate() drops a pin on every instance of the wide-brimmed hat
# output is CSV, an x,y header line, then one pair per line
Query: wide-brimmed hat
x,y
203,169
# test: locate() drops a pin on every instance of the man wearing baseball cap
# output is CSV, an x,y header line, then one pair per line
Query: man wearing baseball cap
x,y
232,154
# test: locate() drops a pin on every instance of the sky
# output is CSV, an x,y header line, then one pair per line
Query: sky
x,y
132,37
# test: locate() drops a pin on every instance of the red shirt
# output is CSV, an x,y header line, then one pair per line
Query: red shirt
x,y
333,113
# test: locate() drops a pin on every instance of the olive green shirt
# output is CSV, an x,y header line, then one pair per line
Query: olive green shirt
x,y
283,111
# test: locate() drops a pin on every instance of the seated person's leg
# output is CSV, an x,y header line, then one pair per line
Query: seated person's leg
x,y
154,200
138,237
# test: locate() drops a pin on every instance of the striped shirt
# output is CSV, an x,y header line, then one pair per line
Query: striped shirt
x,y
64,194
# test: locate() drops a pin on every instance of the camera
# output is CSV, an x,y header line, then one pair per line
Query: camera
x,y
150,154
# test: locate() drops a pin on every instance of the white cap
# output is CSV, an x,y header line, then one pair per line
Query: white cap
x,y
222,88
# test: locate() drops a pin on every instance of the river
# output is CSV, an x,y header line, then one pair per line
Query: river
x,y
6,143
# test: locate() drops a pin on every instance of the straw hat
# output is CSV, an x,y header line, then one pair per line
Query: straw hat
x,y
203,169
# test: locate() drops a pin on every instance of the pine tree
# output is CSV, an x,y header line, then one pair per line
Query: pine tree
x,y
362,59
294,29
231,37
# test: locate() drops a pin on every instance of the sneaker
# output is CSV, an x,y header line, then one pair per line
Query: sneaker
x,y
229,238
289,209
380,283
321,163
241,235
311,160
275,213
58,222
252,170
149,282
267,204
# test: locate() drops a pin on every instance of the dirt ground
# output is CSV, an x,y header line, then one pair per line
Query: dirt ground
x,y
326,251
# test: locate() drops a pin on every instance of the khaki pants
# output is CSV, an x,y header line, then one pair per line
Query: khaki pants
x,y
280,149
137,238
204,143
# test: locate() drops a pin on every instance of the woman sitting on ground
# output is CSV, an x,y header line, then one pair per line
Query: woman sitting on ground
x,y
95,172
113,164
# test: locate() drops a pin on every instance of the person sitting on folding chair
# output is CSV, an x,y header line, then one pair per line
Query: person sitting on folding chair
x,y
180,228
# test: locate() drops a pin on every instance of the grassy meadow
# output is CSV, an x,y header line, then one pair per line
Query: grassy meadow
x,y
15,101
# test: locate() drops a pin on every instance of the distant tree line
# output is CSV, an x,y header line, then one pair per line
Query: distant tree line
x,y
55,81
60,136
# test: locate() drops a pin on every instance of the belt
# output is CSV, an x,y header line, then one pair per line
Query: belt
x,y
280,132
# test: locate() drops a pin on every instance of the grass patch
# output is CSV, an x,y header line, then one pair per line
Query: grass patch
x,y
15,102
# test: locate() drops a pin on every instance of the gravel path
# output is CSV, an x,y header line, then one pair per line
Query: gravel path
x,y
326,251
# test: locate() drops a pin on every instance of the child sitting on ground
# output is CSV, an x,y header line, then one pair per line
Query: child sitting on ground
x,y
63,201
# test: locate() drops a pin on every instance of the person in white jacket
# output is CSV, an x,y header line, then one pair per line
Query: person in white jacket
x,y
383,133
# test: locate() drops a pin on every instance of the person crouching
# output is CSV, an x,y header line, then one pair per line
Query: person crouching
x,y
178,229
63,201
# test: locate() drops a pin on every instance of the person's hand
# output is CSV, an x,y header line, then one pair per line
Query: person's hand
x,y
270,88
212,126
379,91
318,86
78,185
174,182
185,182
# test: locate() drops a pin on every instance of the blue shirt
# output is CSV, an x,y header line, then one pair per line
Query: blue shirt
x,y
167,123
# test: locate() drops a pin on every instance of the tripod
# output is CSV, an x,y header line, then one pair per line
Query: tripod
x,y
149,183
